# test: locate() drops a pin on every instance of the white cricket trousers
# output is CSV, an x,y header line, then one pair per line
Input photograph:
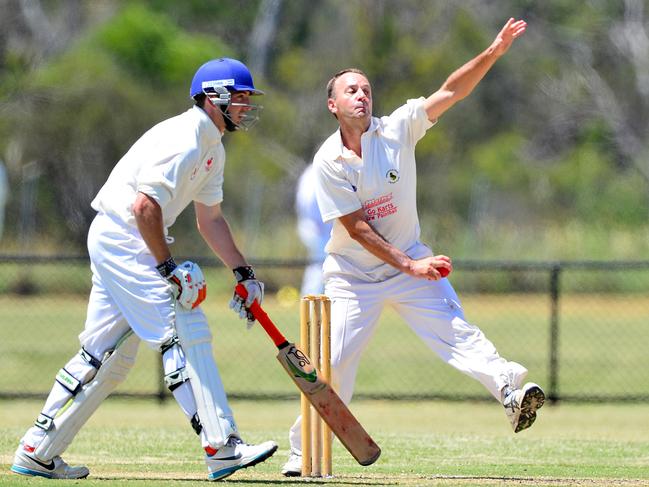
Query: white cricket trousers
x,y
127,294
127,291
431,309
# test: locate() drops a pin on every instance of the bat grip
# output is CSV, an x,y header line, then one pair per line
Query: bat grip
x,y
264,320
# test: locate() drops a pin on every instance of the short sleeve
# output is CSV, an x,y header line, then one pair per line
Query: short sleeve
x,y
336,195
212,193
408,122
160,180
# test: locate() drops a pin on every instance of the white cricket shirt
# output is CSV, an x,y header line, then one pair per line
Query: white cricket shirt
x,y
383,182
178,161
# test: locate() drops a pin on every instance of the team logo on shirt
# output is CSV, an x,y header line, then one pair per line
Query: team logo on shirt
x,y
377,208
392,176
208,166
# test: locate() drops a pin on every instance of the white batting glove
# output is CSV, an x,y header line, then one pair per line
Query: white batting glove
x,y
245,275
187,282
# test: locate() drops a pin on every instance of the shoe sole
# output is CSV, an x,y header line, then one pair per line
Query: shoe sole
x,y
291,473
28,472
226,472
532,401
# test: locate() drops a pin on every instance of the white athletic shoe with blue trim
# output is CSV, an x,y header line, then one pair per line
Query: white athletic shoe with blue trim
x,y
236,455
56,468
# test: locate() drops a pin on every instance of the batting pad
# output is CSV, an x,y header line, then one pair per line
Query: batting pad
x,y
71,418
212,404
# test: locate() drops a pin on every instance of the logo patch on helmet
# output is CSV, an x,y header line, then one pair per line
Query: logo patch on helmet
x,y
217,82
392,176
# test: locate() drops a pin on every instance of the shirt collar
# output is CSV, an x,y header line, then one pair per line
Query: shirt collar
x,y
343,152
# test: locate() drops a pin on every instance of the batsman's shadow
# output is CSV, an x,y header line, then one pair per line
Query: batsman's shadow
x,y
330,481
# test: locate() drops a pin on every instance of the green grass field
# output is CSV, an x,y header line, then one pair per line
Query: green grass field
x,y
601,344
140,443
602,351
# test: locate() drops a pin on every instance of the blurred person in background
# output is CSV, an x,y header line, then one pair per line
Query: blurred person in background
x,y
366,185
4,196
139,293
313,232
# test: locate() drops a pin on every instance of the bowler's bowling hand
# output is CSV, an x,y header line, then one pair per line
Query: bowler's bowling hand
x,y
432,268
512,30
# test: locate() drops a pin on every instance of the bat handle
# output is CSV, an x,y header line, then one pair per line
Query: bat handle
x,y
264,320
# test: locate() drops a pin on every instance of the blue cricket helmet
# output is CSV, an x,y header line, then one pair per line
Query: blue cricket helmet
x,y
226,72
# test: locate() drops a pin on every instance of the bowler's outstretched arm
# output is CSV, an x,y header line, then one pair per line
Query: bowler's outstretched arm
x,y
462,82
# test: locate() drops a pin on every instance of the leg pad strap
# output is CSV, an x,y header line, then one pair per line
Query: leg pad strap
x,y
196,424
175,379
79,367
44,422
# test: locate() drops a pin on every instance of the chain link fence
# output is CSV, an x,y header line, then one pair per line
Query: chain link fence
x,y
580,328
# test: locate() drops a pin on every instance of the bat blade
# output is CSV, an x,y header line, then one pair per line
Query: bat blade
x,y
328,404
318,392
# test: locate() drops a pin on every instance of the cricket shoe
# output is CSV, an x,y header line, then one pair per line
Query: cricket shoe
x,y
26,464
521,405
235,455
293,466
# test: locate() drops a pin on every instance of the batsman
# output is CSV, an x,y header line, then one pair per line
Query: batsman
x,y
366,185
139,293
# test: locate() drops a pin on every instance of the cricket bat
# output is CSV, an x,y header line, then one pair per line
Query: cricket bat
x,y
320,394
